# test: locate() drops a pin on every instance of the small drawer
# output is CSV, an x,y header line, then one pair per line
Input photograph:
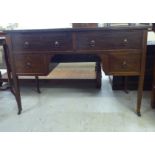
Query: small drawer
x,y
107,40
52,41
30,64
124,62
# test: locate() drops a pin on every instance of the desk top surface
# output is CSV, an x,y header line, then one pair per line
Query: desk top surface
x,y
104,28
151,35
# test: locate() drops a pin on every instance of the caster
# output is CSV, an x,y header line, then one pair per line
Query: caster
x,y
139,114
19,111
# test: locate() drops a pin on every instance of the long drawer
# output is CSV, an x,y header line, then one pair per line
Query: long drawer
x,y
53,41
102,40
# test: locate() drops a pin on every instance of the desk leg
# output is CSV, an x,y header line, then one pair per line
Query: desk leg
x,y
37,84
126,84
142,74
153,97
140,93
0,79
6,57
153,89
17,93
12,77
98,75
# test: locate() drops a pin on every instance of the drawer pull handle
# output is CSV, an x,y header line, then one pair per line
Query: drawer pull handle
x,y
125,41
56,43
28,65
124,64
26,44
92,43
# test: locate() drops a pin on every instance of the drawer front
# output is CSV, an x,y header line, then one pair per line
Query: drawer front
x,y
124,62
30,64
53,41
101,40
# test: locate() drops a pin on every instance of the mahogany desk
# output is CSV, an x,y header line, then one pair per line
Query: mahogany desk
x,y
121,51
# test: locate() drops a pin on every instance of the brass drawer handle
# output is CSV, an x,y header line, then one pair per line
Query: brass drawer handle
x,y
125,41
28,65
92,43
57,44
26,44
124,64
